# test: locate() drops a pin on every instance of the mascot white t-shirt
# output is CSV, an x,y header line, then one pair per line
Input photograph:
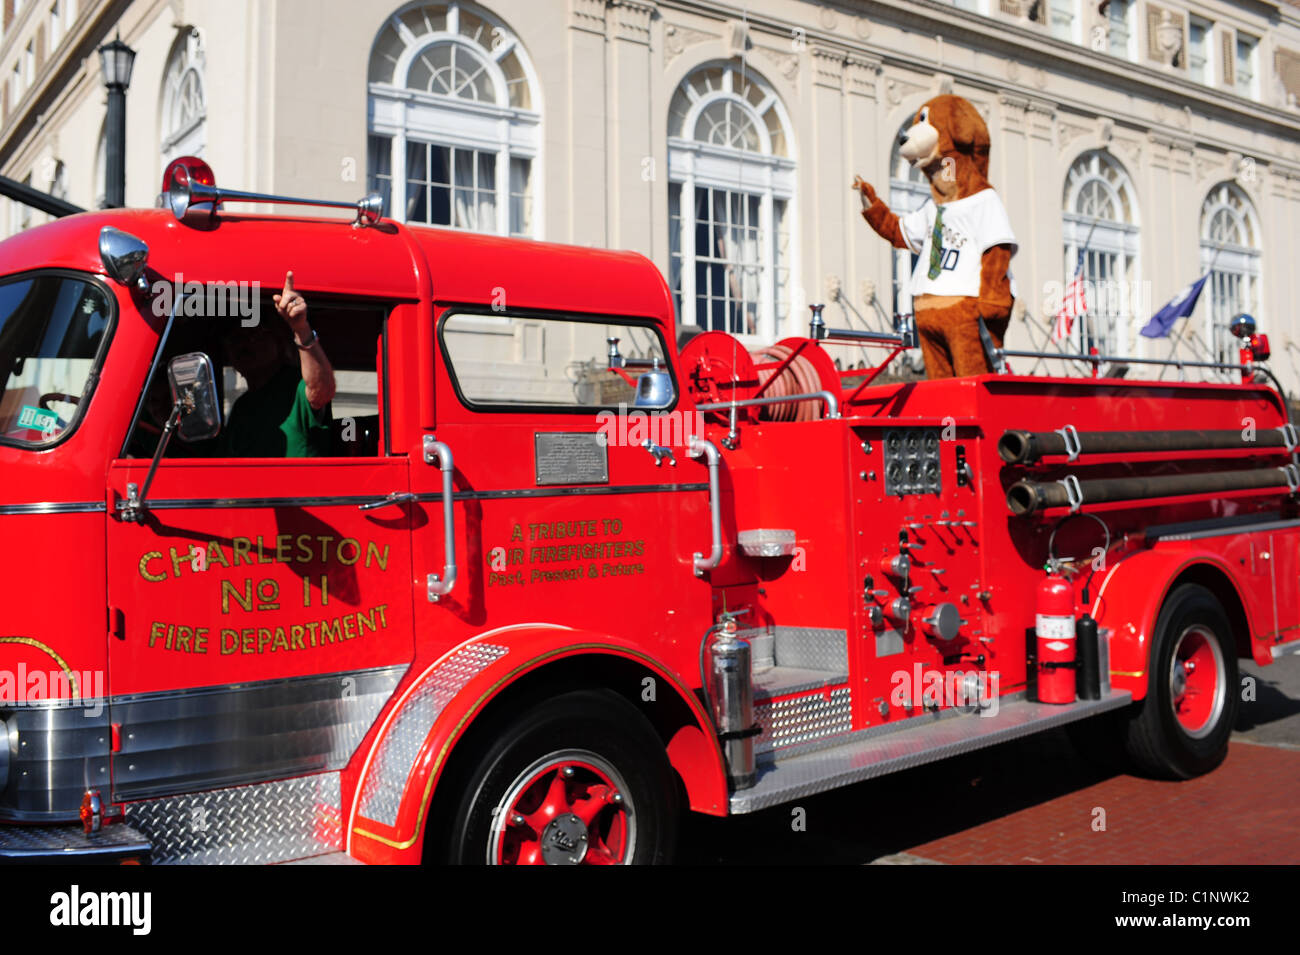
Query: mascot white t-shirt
x,y
969,227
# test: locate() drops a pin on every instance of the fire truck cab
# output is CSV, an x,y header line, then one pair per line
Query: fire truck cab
x,y
559,579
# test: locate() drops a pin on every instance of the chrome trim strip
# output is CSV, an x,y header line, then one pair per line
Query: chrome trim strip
x,y
55,507
358,499
58,749
210,503
181,741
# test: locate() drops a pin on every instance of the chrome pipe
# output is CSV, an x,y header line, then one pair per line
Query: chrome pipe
x,y
1125,359
435,450
701,563
832,403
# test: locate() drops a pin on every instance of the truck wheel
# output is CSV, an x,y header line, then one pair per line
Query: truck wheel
x,y
1182,727
579,780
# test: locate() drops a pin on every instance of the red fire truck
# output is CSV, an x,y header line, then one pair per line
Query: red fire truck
x,y
562,579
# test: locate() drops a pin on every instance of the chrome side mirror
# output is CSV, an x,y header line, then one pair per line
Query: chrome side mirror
x,y
194,392
195,416
125,257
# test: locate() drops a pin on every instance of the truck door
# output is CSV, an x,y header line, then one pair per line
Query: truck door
x,y
261,608
561,511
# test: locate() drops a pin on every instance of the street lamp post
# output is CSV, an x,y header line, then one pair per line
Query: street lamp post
x,y
116,60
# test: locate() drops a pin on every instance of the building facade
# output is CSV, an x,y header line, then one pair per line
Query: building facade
x,y
1143,143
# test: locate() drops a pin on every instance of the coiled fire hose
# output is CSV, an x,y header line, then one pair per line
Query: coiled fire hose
x,y
798,378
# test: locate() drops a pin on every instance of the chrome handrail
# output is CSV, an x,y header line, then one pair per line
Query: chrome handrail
x,y
440,586
700,563
832,403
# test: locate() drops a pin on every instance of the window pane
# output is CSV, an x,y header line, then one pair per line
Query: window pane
x,y
379,162
51,329
521,196
417,199
512,360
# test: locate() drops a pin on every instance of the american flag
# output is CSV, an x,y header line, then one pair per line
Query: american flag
x,y
1074,305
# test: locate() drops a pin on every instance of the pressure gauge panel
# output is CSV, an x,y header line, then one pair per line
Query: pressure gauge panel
x,y
912,462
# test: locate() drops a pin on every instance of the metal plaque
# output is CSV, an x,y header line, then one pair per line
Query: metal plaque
x,y
571,457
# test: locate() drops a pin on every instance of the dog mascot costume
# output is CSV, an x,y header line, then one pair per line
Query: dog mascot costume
x,y
961,287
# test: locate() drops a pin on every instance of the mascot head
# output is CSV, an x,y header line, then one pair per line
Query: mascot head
x,y
949,127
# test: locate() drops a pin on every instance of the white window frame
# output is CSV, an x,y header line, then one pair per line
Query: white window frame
x,y
55,28
908,190
693,164
188,60
1114,242
400,113
1211,64
1130,27
1252,42
1231,265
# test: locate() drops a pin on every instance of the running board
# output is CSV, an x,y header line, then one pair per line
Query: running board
x,y
782,780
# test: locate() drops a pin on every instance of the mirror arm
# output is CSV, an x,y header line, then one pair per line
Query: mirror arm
x,y
133,508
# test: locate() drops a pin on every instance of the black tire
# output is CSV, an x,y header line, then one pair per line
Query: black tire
x,y
601,730
1155,739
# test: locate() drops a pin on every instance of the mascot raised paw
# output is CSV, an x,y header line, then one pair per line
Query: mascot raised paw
x,y
962,290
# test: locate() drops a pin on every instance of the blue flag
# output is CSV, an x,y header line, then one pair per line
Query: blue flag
x,y
1180,306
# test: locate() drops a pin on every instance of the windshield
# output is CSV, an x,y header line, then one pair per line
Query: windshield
x,y
52,327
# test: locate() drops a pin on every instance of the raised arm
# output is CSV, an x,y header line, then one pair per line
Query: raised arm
x,y
878,215
317,373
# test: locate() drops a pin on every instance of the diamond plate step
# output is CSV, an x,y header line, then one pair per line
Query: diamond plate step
x,y
69,843
879,755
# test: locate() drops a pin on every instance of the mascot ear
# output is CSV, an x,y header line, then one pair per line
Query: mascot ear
x,y
966,125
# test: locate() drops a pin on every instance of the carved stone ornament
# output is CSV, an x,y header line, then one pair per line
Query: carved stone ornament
x,y
1169,37
678,38
786,63
895,90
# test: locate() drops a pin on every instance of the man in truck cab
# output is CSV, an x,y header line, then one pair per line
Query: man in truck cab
x,y
285,412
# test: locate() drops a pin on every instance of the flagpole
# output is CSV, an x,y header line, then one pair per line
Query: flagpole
x,y
1173,347
1083,317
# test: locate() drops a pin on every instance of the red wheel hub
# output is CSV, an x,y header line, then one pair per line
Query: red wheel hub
x,y
565,810
1196,682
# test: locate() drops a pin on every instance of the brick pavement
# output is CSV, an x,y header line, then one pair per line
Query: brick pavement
x,y
1246,811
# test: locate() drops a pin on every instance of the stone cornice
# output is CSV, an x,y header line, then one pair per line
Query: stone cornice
x,y
1001,36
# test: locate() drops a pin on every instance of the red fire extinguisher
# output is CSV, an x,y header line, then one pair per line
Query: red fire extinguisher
x,y
1054,628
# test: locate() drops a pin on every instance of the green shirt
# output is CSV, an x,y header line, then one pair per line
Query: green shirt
x,y
277,421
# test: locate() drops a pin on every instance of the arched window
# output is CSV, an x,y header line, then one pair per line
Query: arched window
x,y
184,100
1101,238
730,191
454,128
908,190
1230,252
